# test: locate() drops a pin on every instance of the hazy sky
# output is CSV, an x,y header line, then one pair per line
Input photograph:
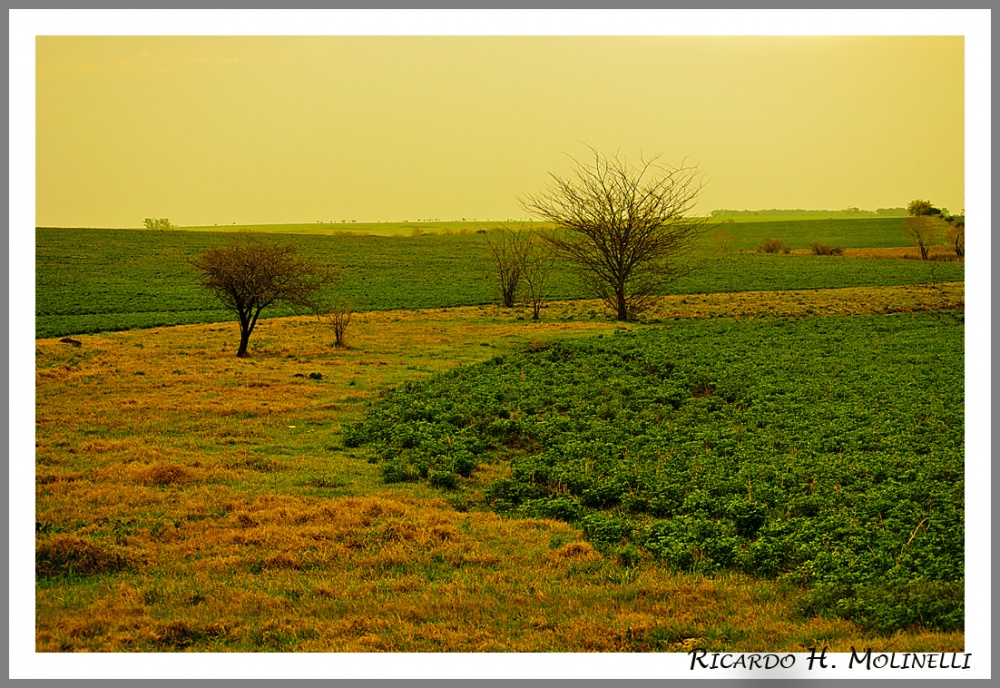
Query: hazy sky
x,y
223,129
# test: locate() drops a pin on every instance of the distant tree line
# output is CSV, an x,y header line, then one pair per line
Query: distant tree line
x,y
774,212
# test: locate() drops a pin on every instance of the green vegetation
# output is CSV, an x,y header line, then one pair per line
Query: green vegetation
x,y
92,280
188,500
824,452
346,228
799,233
773,459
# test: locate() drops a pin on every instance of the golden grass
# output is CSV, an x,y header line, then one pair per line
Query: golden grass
x,y
893,252
189,500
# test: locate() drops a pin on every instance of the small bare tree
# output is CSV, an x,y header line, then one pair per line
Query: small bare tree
x,y
955,236
536,273
338,315
723,239
252,275
508,247
623,226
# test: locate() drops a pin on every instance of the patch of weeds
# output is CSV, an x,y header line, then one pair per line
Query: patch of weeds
x,y
261,464
272,637
180,634
557,540
438,568
71,555
464,501
162,474
324,482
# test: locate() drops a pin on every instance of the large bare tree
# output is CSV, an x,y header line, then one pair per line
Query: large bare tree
x,y
251,275
624,226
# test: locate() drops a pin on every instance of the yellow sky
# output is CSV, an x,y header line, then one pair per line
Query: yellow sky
x,y
245,129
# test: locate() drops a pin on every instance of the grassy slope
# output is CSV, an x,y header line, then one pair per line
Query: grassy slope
x,y
190,500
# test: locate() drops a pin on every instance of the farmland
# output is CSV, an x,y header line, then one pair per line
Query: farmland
x,y
106,280
826,451
772,459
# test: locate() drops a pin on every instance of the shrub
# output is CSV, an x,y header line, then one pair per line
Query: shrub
x,y
464,463
398,472
443,479
747,517
825,249
774,246
558,508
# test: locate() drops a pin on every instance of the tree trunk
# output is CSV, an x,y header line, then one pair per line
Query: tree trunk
x,y
244,340
622,306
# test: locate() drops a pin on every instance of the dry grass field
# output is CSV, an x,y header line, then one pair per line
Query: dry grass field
x,y
189,500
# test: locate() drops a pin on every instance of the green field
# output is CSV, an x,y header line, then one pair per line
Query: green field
x,y
93,280
821,451
771,459
799,233
418,228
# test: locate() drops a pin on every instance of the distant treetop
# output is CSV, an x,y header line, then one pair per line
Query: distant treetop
x,y
920,207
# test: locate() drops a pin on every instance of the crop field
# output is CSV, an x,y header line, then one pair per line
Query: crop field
x,y
843,232
90,280
825,451
771,459
393,229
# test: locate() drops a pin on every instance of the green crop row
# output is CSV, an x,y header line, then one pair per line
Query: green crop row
x,y
824,452
90,280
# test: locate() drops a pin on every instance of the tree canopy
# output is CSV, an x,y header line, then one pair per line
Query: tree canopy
x,y
920,208
624,226
249,276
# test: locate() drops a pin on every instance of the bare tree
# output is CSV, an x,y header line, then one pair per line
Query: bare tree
x,y
955,235
508,247
922,230
252,275
338,314
536,273
624,226
723,239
